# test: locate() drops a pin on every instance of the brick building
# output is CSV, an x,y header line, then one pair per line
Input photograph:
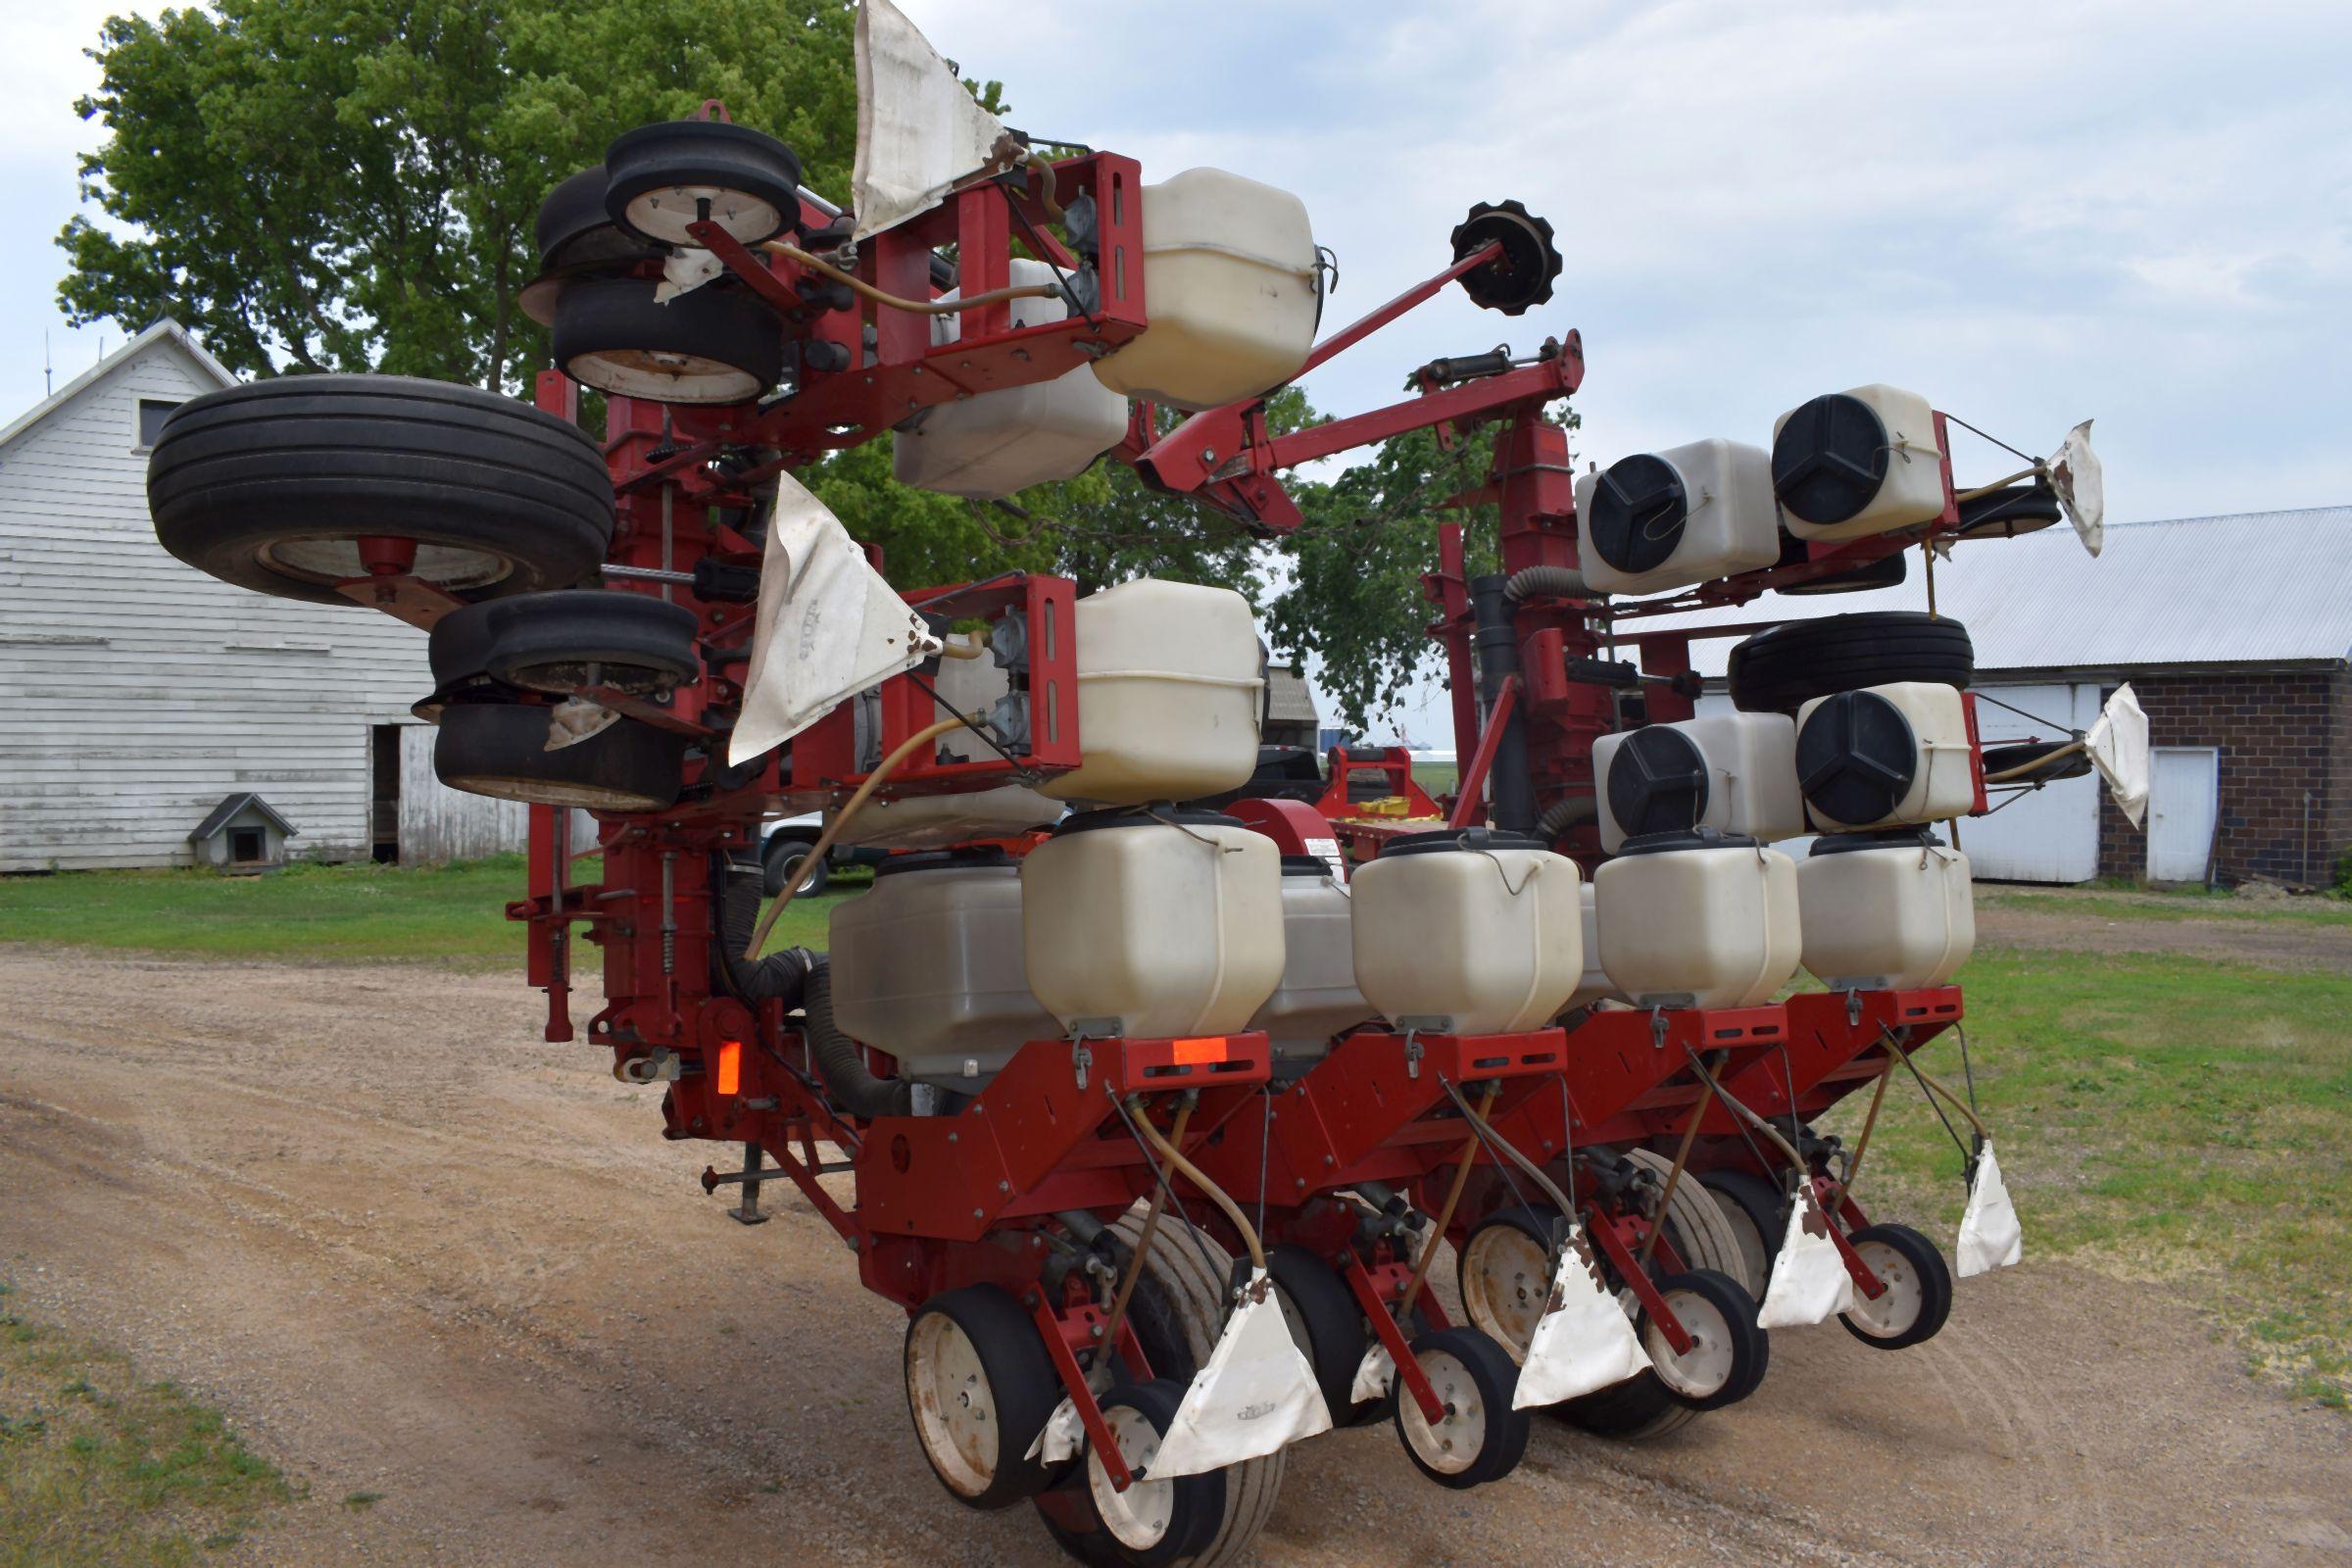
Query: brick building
x,y
2235,633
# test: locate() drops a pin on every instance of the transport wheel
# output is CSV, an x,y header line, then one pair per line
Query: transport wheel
x,y
1728,1352
1783,668
561,642
1919,1289
575,232
1324,1319
1641,1408
2010,511
499,750
1480,1437
980,1388
1152,1522
273,485
457,649
1757,1213
716,345
1505,1275
1178,1311
661,177
785,858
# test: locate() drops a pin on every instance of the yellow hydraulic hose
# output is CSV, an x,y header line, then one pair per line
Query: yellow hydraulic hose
x,y
1142,1239
859,285
1209,1189
841,819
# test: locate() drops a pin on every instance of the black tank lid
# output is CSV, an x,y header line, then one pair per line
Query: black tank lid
x,y
1694,838
956,859
1829,458
1657,781
1890,838
1638,511
1306,866
1474,840
1857,756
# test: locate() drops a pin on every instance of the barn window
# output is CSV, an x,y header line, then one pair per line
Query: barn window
x,y
153,411
245,845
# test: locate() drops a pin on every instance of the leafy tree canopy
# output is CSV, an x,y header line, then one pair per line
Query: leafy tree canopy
x,y
351,185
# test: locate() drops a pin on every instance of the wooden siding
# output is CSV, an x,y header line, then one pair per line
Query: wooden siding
x,y
135,692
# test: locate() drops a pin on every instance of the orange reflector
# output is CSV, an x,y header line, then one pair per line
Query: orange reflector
x,y
1190,1053
730,1066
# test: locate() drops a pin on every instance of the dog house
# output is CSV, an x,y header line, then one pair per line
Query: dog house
x,y
243,833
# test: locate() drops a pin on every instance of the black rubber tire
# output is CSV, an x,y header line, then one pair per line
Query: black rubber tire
x,y
1920,1255
1888,571
2003,758
1754,1209
499,750
778,860
574,232
1750,1347
638,644
1542,1231
458,650
266,485
2008,512
1503,1436
1324,1318
1178,1310
1783,668
642,164
716,345
1021,1384
1640,1408
1198,1502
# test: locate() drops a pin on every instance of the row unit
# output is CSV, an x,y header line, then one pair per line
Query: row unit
x,y
1845,466
1881,756
1167,923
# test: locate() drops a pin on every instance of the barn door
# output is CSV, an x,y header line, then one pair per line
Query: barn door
x,y
2184,795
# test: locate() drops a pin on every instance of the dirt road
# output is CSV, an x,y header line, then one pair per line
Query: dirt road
x,y
415,1252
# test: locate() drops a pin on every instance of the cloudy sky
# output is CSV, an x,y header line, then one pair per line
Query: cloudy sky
x,y
2133,210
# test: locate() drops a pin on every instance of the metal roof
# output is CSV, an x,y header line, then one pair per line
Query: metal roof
x,y
2252,588
235,805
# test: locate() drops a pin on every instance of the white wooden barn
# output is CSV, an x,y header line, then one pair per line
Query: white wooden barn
x,y
136,693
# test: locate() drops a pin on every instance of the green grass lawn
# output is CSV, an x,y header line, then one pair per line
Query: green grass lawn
x,y
2161,1119
347,912
101,1469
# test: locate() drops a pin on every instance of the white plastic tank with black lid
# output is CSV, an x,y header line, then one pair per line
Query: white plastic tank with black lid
x,y
927,966
1885,912
1317,997
1152,922
1736,773
1885,754
1468,931
1847,465
1698,919
1659,521
1231,289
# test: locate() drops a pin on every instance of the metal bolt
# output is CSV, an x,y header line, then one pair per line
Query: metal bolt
x,y
1003,1186
1208,456
975,1213
950,1138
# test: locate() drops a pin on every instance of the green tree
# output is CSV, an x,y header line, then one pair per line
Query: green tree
x,y
351,184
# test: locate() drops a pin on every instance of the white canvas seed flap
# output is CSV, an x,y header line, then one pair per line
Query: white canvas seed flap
x,y
684,272
1256,1395
2117,744
919,129
1373,1374
1991,1237
828,625
575,720
1809,1279
2080,481
1061,1437
1584,1340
